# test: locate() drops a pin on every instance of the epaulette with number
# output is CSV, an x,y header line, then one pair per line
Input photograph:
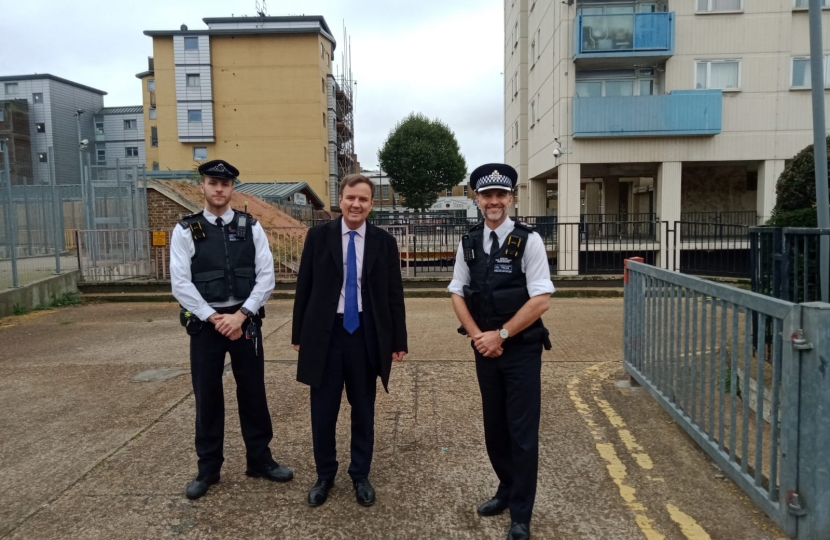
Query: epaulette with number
x,y
525,226
478,226
193,224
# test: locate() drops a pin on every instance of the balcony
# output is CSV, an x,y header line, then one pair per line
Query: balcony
x,y
605,40
680,113
100,136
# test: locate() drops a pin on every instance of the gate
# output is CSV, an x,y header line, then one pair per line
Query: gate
x,y
747,376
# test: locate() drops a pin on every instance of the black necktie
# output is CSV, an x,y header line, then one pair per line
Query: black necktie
x,y
494,244
219,222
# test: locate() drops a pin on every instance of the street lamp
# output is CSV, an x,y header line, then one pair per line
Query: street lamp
x,y
380,181
81,148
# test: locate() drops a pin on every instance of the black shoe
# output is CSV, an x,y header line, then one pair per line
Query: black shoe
x,y
274,473
319,492
493,507
519,531
199,486
364,492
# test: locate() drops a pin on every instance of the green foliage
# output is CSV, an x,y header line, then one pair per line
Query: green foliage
x,y
796,187
806,217
19,309
66,299
422,158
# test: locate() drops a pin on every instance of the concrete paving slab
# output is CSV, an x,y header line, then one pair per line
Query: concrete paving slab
x,y
88,453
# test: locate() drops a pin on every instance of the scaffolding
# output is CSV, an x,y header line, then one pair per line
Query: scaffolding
x,y
344,108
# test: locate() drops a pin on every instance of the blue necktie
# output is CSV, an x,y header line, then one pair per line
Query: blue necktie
x,y
351,317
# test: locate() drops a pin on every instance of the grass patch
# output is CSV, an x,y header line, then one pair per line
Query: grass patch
x,y
19,309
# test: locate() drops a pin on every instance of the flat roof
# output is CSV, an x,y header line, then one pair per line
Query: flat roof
x,y
144,74
322,27
40,76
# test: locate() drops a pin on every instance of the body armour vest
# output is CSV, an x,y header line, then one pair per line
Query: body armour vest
x,y
224,265
498,286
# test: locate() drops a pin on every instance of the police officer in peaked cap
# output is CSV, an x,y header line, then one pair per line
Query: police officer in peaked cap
x,y
501,286
222,272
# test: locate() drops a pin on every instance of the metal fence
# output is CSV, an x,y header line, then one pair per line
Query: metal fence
x,y
745,376
785,262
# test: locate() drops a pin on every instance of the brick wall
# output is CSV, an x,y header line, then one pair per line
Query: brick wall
x,y
163,213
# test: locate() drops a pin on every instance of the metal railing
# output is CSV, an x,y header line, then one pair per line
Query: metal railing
x,y
113,255
690,343
747,218
785,264
710,249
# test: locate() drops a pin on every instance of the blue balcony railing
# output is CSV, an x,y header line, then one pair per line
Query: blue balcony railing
x,y
682,112
635,33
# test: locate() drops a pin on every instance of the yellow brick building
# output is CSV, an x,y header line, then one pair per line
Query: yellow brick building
x,y
255,91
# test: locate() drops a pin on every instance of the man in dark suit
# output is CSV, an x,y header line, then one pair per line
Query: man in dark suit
x,y
349,326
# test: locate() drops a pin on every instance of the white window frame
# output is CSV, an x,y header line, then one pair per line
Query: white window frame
x,y
151,85
825,4
130,124
709,73
710,11
11,86
516,133
538,45
152,113
516,35
128,153
810,85
189,39
516,83
199,121
533,113
193,77
532,53
197,158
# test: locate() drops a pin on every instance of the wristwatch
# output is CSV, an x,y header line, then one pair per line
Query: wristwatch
x,y
245,311
503,333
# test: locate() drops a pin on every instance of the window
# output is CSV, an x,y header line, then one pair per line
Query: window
x,y
532,53
516,83
324,119
154,137
151,85
37,97
516,133
132,151
155,165
41,157
102,156
99,128
713,6
539,47
723,74
322,50
40,127
448,193
193,80
325,154
384,192
2,115
516,35
11,88
191,43
532,113
465,189
194,116
802,72
200,153
152,113
804,4
323,85
130,124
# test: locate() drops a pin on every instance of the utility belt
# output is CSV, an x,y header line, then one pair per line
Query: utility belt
x,y
193,324
534,334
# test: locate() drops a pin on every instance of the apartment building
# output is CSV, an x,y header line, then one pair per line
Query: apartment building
x,y
119,141
14,128
673,110
456,202
258,92
54,121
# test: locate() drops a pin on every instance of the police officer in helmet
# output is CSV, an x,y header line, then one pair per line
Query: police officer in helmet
x,y
501,287
222,272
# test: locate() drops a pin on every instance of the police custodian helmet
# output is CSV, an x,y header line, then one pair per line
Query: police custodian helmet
x,y
494,176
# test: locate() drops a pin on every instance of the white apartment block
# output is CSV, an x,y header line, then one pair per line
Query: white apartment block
x,y
655,110
119,142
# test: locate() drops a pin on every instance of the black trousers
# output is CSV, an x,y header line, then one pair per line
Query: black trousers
x,y
347,364
511,392
207,363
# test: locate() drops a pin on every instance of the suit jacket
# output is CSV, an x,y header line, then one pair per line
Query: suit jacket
x,y
318,292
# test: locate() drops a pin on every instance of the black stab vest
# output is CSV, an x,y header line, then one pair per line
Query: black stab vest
x,y
498,286
224,266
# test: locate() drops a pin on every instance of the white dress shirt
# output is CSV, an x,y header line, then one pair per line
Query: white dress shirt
x,y
359,241
534,262
182,250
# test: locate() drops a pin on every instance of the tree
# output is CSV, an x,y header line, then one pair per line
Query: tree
x,y
795,192
421,157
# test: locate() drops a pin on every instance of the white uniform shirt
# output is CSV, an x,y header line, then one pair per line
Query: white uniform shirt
x,y
534,262
359,241
182,250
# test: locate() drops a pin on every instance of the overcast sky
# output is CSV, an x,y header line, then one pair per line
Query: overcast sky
x,y
442,58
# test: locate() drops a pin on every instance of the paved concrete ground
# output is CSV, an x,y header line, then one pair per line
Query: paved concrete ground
x,y
97,445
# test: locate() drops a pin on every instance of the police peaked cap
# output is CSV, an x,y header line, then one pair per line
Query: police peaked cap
x,y
219,168
494,176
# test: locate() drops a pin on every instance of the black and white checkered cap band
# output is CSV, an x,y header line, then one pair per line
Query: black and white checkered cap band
x,y
220,168
494,180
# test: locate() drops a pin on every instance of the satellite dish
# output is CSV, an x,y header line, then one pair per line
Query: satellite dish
x,y
184,28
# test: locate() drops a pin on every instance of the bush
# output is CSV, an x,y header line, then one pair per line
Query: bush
x,y
807,217
796,187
